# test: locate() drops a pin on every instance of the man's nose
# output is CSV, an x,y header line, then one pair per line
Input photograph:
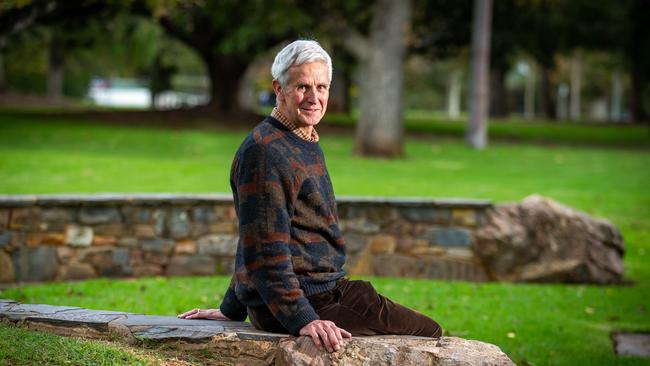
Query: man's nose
x,y
310,94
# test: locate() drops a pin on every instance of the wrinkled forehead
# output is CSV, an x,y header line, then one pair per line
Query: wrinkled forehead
x,y
316,71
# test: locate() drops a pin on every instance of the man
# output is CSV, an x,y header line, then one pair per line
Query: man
x,y
288,269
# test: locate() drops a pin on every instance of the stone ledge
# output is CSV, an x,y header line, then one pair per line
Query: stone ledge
x,y
236,343
190,199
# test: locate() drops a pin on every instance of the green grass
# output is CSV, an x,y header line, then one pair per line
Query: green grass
x,y
24,347
520,130
548,324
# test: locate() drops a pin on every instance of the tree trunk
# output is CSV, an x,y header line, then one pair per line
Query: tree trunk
x,y
576,86
529,93
339,93
498,93
55,69
617,96
3,75
379,131
454,94
638,88
476,133
548,103
224,72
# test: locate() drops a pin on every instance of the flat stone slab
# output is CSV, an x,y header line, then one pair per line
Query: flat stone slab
x,y
237,343
632,344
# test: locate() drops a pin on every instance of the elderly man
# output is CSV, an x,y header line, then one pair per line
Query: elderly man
x,y
288,271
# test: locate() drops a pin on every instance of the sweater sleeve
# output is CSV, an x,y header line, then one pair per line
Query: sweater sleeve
x,y
232,307
265,190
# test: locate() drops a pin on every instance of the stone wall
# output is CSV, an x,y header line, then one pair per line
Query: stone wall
x,y
68,237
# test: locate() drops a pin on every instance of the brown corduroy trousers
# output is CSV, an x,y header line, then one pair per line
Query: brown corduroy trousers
x,y
356,307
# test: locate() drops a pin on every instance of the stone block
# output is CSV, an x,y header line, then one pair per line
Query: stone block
x,y
141,257
204,214
225,265
99,215
25,218
147,270
224,227
121,257
35,264
223,245
384,244
179,224
17,239
100,258
464,216
127,241
144,231
76,271
137,215
58,215
448,236
460,253
33,240
185,247
157,245
4,218
159,219
359,226
5,238
354,243
113,229
182,265
452,269
428,251
433,215
7,274
405,244
396,265
36,239
78,236
199,229
100,240
65,254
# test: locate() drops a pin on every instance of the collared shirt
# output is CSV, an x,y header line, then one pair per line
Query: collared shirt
x,y
293,128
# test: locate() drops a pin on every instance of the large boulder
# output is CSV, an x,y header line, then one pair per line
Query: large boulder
x,y
540,240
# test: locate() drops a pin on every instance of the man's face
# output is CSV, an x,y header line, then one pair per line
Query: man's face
x,y
304,100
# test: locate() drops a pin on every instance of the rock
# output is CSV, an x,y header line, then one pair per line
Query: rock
x,y
6,268
25,218
4,218
99,215
384,244
191,265
464,216
35,264
223,244
185,247
540,240
448,236
392,350
5,238
179,224
426,214
77,271
78,236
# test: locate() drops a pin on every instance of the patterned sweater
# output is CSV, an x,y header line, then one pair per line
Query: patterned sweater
x,y
290,245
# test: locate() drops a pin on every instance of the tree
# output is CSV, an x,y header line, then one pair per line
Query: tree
x,y
476,133
226,35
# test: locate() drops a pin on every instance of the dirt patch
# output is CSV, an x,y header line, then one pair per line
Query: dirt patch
x,y
631,344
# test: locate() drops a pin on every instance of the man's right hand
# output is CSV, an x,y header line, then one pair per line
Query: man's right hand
x,y
325,333
212,314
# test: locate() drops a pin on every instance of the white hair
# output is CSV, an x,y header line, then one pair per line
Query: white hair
x,y
295,54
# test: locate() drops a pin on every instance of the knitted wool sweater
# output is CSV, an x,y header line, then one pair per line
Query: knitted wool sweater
x,y
290,245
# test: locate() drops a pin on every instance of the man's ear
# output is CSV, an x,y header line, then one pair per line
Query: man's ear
x,y
277,88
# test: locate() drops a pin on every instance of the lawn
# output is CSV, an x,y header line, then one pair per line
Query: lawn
x,y
534,324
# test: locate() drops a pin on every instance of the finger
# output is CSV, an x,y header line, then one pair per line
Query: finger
x,y
345,333
327,340
316,339
188,313
333,338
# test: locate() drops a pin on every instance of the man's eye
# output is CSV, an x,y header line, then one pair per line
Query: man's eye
x,y
302,87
